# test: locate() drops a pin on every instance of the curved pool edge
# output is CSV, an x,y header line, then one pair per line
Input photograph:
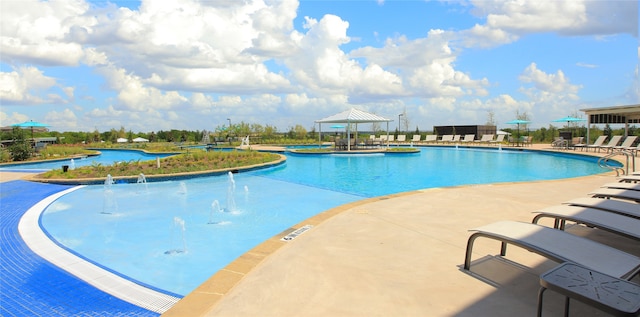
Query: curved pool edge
x,y
104,280
215,288
220,283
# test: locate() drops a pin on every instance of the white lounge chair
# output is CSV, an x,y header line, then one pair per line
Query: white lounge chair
x,y
456,138
468,138
622,185
612,143
629,209
599,141
625,194
431,138
499,139
592,217
558,246
447,138
415,138
486,138
629,178
627,143
402,138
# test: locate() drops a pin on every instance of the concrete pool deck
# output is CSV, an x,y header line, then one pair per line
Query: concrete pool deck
x,y
401,255
398,255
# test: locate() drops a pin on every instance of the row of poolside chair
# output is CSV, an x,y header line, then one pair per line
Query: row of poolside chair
x,y
615,207
445,139
612,145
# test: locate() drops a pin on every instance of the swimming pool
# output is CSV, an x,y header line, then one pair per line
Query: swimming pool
x,y
173,235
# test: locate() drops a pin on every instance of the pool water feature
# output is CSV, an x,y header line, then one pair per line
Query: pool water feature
x,y
134,240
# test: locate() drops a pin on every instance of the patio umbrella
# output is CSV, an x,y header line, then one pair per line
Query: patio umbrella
x,y
518,122
569,119
337,126
31,124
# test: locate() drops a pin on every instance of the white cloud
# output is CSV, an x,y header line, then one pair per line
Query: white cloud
x,y
134,95
586,65
322,67
533,16
551,95
13,118
65,120
507,21
198,46
35,31
110,111
405,53
553,83
180,64
29,86
425,64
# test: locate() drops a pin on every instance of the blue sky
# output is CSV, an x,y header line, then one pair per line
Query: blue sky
x,y
159,65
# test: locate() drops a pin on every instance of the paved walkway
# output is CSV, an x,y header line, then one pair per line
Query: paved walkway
x,y
31,286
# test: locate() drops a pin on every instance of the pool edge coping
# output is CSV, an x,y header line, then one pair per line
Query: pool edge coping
x,y
35,238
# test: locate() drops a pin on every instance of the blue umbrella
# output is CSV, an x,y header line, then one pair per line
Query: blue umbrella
x,y
569,119
337,126
518,122
30,124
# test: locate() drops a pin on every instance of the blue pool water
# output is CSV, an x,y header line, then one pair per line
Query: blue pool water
x,y
172,236
107,157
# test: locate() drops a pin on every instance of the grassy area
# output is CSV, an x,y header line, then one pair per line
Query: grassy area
x,y
61,151
194,161
48,153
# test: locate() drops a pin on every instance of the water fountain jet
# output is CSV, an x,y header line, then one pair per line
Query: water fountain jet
x,y
183,188
142,180
231,201
109,204
179,224
215,209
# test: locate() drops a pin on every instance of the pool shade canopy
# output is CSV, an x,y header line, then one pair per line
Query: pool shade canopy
x,y
354,116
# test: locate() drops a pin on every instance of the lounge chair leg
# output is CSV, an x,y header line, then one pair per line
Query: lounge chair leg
x,y
467,257
503,249
540,294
